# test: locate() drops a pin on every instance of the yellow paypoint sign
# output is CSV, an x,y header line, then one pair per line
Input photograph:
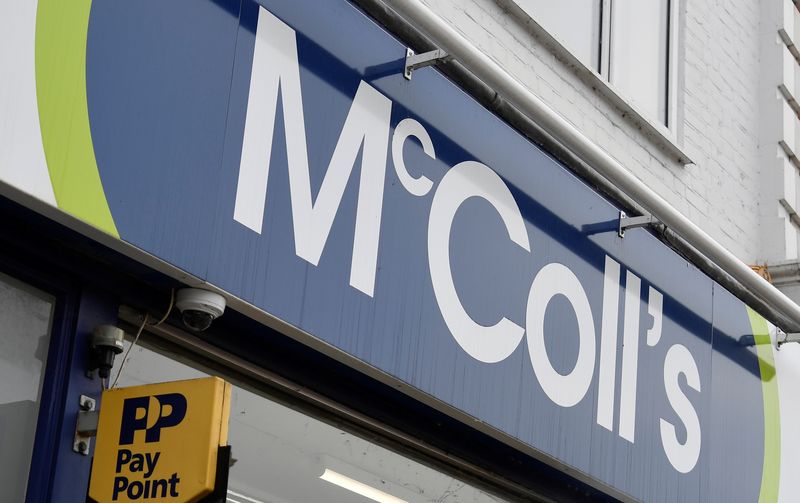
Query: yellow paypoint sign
x,y
159,442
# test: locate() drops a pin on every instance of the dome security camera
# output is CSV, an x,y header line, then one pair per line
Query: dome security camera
x,y
199,307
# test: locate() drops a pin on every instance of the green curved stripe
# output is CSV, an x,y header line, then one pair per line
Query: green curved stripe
x,y
61,33
770,475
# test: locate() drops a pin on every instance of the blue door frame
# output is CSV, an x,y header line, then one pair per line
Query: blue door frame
x,y
57,474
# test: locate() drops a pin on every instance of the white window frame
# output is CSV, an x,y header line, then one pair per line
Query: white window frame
x,y
672,54
669,136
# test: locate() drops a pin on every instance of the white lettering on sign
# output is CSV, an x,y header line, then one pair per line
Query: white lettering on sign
x,y
402,131
557,279
608,345
630,357
683,456
463,181
276,72
275,65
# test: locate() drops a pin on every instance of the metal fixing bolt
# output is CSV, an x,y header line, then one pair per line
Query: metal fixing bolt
x,y
85,425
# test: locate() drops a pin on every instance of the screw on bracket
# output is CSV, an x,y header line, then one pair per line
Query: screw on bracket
x,y
85,425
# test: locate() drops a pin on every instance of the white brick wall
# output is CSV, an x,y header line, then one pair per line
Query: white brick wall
x,y
719,121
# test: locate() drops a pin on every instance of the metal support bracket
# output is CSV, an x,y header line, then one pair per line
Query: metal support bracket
x,y
626,222
86,425
784,337
414,61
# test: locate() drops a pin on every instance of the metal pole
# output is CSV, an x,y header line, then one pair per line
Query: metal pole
x,y
485,69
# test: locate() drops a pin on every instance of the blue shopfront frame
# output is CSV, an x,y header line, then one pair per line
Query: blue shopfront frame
x,y
56,473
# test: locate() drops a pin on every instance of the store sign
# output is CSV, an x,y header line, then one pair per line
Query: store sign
x,y
275,150
159,442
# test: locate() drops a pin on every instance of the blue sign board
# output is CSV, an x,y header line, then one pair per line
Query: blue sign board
x,y
276,151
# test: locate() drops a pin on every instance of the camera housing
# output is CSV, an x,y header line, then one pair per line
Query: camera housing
x,y
199,307
106,343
